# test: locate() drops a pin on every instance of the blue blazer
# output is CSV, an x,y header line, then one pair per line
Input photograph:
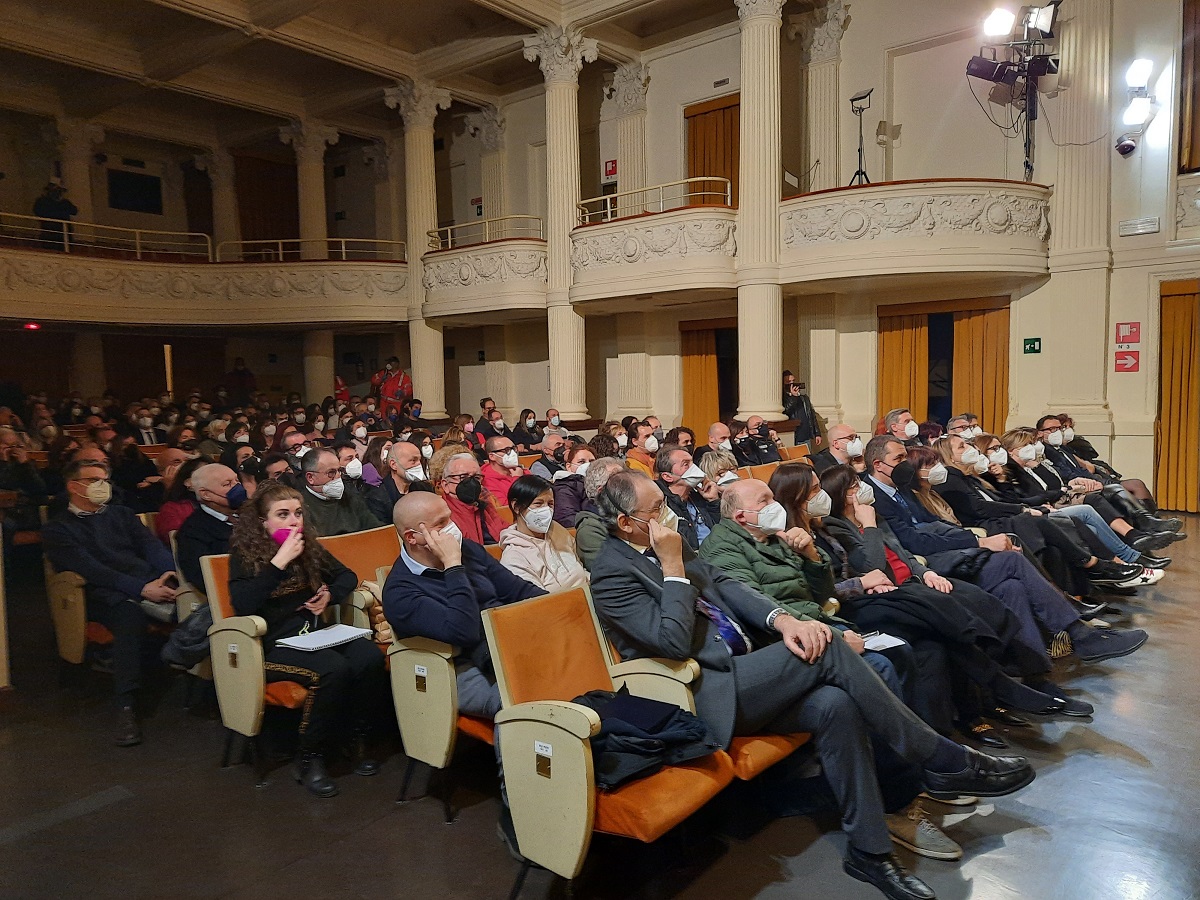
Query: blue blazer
x,y
913,538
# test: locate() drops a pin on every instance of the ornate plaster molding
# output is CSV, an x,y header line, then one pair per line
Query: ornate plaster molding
x,y
1187,202
759,9
485,267
849,218
308,139
487,126
173,284
630,83
561,52
820,31
637,243
417,100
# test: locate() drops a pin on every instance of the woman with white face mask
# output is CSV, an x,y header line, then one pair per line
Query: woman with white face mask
x,y
569,494
535,547
720,467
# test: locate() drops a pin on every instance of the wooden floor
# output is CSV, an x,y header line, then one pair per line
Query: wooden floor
x,y
1114,813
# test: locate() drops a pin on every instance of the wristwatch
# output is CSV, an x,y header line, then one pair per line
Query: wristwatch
x,y
773,615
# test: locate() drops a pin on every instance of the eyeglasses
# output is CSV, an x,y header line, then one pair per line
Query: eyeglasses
x,y
88,481
458,478
505,449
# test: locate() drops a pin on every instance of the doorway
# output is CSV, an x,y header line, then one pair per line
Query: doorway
x,y
713,145
710,371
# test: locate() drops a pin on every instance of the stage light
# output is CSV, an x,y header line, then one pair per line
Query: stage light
x,y
1138,112
32,326
1138,73
1000,23
996,71
1043,65
1040,18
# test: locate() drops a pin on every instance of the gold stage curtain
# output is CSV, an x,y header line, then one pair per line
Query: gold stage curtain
x,y
904,364
701,403
981,366
1177,474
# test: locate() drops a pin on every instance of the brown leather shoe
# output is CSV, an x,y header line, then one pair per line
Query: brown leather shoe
x,y
129,734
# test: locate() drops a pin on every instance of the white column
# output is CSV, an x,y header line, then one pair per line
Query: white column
x,y
386,161
820,34
819,342
561,53
633,364
760,298
218,163
318,365
498,369
87,364
630,82
1074,304
488,126
418,102
77,146
309,141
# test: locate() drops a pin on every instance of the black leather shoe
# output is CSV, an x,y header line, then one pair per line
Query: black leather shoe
x,y
1011,719
983,733
1105,572
1149,541
1153,523
984,776
1102,644
310,772
887,874
1070,706
1154,562
129,734
1086,609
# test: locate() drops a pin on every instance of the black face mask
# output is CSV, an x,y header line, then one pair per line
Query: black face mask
x,y
469,491
904,474
558,454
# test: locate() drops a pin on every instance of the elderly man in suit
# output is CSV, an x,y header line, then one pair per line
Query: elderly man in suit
x,y
764,670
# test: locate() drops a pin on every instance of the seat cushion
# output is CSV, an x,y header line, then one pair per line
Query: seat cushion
x,y
759,752
97,634
482,729
287,694
648,808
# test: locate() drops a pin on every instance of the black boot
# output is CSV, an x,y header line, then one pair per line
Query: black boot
x,y
310,772
364,762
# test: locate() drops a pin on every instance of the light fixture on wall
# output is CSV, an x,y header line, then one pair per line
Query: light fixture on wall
x,y
1017,56
1140,110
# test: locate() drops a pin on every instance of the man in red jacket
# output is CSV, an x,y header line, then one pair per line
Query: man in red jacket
x,y
393,385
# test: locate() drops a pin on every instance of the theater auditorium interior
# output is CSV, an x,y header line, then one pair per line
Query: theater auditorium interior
x,y
599,449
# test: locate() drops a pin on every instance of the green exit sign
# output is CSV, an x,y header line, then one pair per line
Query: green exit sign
x,y
1033,345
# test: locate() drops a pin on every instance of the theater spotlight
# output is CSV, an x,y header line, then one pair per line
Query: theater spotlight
x,y
1000,23
997,71
1039,20
859,104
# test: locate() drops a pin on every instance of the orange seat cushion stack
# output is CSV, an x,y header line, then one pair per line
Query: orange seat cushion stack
x,y
287,694
648,808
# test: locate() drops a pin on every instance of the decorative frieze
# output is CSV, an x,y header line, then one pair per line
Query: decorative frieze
x,y
633,244
466,269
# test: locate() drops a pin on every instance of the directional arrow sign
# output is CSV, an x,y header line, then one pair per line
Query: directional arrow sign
x,y
1128,360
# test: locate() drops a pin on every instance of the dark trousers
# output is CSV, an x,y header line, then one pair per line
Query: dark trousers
x,y
125,619
1030,597
841,701
348,677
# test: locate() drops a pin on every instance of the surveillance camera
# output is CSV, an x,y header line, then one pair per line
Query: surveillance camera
x,y
1126,144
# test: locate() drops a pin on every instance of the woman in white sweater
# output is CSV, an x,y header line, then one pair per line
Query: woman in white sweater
x,y
536,547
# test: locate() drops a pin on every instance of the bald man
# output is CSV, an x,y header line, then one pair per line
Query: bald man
x,y
206,531
438,588
845,448
718,439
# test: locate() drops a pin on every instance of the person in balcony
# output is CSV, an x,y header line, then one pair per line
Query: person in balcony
x,y
55,211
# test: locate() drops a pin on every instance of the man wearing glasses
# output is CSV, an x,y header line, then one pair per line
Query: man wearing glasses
x,y
845,449
122,564
503,466
472,506
327,504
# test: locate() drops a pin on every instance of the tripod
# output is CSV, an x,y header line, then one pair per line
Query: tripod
x,y
860,177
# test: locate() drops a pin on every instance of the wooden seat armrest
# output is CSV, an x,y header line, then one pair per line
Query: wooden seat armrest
x,y
66,580
426,645
572,718
684,672
251,626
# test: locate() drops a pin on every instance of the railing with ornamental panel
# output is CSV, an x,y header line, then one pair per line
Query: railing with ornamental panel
x,y
33,232
294,249
481,232
658,198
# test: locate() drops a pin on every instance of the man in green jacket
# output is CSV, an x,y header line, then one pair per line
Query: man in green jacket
x,y
328,506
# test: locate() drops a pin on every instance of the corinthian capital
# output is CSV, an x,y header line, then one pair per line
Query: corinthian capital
x,y
759,9
417,100
308,139
630,82
217,162
488,126
561,52
78,134
820,31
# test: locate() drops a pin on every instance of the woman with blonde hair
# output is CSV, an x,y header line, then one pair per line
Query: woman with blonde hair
x,y
720,467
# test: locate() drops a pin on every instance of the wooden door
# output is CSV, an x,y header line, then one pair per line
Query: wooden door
x,y
712,130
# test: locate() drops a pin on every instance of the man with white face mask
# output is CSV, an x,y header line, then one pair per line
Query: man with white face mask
x,y
502,468
845,449
691,496
643,446
403,470
446,604
901,425
328,506
120,561
718,439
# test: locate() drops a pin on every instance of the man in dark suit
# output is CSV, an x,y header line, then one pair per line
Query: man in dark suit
x,y
206,531
143,428
845,448
122,564
764,670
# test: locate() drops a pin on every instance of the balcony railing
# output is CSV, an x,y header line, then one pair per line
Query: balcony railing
x,y
32,232
656,199
292,249
498,229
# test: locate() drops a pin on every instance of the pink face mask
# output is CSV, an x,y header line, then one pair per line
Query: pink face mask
x,y
279,535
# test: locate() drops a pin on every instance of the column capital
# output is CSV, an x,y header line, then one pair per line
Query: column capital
x,y
488,126
308,139
561,52
378,155
80,132
217,162
820,31
417,100
760,9
630,83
